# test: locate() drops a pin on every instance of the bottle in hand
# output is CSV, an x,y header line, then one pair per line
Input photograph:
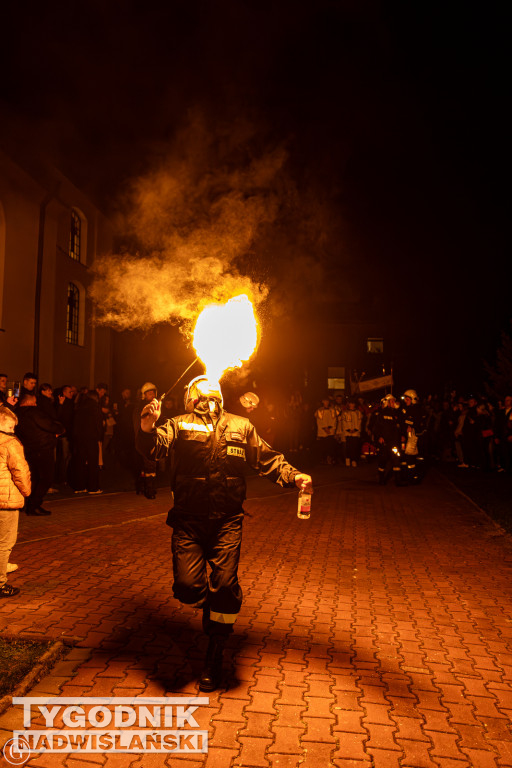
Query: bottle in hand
x,y
304,505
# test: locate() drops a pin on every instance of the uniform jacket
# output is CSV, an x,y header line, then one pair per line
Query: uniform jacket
x,y
387,426
14,472
211,460
412,417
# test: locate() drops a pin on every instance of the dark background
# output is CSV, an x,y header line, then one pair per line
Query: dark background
x,y
393,120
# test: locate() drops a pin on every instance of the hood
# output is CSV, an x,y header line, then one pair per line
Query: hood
x,y
8,420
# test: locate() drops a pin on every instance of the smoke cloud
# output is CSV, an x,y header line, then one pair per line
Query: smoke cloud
x,y
191,221
219,214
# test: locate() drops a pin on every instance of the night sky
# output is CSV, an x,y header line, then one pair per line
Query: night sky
x,y
391,117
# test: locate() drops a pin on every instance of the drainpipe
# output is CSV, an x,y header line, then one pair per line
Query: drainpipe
x,y
39,274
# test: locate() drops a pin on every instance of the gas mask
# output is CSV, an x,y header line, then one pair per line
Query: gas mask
x,y
203,396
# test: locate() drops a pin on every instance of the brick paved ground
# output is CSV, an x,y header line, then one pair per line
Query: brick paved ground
x,y
378,633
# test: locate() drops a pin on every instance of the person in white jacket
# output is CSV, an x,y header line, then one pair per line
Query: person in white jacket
x,y
326,427
14,489
351,420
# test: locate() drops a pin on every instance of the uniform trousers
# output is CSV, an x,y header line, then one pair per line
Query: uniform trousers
x,y
197,543
388,460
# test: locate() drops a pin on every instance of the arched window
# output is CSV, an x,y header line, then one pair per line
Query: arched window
x,y
75,236
73,314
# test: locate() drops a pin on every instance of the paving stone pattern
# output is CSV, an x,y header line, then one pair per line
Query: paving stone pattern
x,y
378,633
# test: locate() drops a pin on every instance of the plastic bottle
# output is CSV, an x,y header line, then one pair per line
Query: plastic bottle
x,y
304,505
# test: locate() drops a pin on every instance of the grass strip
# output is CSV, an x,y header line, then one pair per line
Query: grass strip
x,y
17,658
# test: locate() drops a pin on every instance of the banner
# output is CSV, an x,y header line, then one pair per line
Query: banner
x,y
370,384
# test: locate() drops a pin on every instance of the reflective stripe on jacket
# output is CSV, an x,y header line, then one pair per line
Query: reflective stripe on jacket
x,y
211,460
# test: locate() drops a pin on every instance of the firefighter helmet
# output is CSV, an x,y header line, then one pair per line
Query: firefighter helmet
x,y
412,394
388,401
201,387
250,400
147,387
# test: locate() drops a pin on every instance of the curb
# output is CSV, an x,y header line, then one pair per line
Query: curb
x,y
43,665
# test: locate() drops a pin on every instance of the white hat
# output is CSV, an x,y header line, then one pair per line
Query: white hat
x,y
249,400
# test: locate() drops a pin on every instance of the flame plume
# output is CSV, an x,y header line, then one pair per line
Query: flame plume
x,y
226,336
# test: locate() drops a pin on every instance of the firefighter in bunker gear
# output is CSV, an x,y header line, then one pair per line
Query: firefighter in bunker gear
x,y
212,451
412,423
386,432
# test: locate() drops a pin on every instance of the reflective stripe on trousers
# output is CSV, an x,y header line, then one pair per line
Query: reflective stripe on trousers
x,y
196,543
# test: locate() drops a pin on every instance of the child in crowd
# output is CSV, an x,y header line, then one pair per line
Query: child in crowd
x,y
14,488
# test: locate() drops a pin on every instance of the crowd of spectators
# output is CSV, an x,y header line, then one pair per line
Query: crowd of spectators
x,y
64,437
69,434
473,432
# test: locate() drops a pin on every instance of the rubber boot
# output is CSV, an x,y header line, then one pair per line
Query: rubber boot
x,y
139,485
212,673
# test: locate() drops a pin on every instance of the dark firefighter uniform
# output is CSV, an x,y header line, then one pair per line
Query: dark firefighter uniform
x,y
386,433
412,426
211,457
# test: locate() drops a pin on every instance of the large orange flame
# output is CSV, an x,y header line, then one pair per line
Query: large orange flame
x,y
226,336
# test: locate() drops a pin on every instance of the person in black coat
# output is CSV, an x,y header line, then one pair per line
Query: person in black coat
x,y
123,441
38,433
87,436
65,405
45,400
146,480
